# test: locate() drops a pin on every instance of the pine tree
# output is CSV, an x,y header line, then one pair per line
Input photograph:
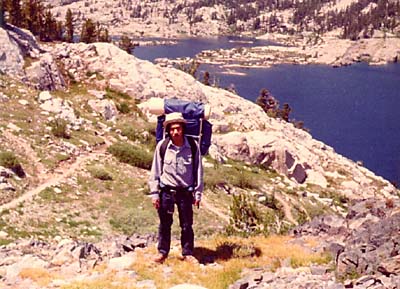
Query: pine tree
x,y
33,15
14,11
59,31
88,34
69,27
126,44
284,112
262,99
48,29
206,78
268,103
102,33
2,22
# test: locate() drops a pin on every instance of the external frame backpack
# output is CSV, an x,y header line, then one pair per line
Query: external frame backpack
x,y
197,127
198,130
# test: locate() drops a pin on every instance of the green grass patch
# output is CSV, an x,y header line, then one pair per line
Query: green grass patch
x,y
132,213
49,194
123,202
116,95
303,261
143,134
4,242
77,89
315,208
337,198
234,174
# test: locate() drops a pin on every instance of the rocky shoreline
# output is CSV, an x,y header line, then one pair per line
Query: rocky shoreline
x,y
154,21
327,50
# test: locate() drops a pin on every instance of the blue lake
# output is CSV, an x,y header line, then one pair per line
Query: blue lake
x,y
191,46
354,109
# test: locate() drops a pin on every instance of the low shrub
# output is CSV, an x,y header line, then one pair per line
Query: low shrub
x,y
228,249
10,161
132,155
123,107
115,94
100,173
245,217
243,179
59,128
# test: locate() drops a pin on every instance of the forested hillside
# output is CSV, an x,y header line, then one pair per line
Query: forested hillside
x,y
60,20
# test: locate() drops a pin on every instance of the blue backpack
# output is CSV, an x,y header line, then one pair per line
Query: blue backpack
x,y
197,127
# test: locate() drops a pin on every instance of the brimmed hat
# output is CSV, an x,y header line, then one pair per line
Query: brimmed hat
x,y
174,117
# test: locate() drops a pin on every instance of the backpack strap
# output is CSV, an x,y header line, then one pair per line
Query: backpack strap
x,y
163,148
193,148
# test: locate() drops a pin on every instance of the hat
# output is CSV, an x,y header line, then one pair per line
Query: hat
x,y
174,117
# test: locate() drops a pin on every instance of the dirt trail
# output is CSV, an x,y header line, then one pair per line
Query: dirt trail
x,y
208,206
286,208
281,198
64,171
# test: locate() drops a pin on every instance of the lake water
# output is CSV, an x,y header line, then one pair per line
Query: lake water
x,y
354,109
190,47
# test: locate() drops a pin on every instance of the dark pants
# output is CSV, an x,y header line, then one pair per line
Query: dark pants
x,y
184,202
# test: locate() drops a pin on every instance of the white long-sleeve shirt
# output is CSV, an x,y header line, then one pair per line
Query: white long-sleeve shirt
x,y
177,170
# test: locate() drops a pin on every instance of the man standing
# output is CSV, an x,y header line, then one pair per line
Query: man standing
x,y
176,178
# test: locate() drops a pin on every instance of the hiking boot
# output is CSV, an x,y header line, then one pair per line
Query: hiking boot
x,y
160,258
190,259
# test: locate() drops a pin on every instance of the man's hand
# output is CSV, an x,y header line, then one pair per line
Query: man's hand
x,y
197,203
156,203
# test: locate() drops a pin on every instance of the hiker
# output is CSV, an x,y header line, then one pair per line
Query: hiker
x,y
176,178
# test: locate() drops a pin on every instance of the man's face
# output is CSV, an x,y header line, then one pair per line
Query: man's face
x,y
176,130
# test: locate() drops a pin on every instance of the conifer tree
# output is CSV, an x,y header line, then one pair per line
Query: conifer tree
x,y
59,31
2,21
49,28
206,78
126,44
14,11
69,27
102,33
88,34
33,15
262,99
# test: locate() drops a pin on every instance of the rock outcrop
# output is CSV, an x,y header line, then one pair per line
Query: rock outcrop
x,y
44,74
11,57
22,57
363,244
69,258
